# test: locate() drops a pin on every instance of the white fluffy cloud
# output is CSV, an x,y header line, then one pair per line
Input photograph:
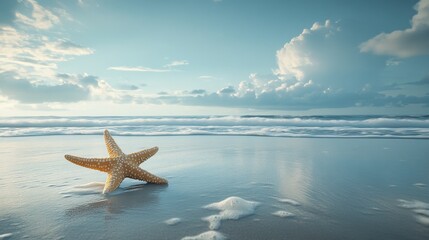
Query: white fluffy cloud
x,y
34,55
28,61
320,68
177,63
324,56
298,54
40,18
404,43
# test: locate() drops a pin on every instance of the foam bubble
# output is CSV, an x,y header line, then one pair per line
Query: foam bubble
x,y
214,221
209,235
5,235
288,201
172,221
419,184
231,208
283,214
413,204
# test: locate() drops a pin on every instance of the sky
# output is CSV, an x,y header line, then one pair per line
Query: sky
x,y
199,57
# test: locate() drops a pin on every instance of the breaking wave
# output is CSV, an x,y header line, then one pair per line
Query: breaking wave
x,y
273,125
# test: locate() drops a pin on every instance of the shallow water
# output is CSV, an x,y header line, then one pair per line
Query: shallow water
x,y
333,188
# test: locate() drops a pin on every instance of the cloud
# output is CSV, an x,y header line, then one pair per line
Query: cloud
x,y
81,3
423,82
297,100
66,48
138,69
319,68
69,88
177,63
84,80
325,55
127,87
226,91
166,68
198,91
297,55
40,18
24,91
28,61
410,42
35,55
392,62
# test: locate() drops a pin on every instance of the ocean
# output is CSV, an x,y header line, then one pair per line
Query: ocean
x,y
357,126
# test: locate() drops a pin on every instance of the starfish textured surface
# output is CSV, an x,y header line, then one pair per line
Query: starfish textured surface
x,y
119,165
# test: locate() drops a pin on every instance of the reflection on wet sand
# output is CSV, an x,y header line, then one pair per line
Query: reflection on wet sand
x,y
135,196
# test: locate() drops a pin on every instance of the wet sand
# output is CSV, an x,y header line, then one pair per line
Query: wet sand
x,y
305,188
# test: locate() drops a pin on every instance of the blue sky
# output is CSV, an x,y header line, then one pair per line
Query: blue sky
x,y
193,57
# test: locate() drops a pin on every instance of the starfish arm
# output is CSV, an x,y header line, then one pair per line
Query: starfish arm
x,y
140,174
112,183
101,164
112,148
138,157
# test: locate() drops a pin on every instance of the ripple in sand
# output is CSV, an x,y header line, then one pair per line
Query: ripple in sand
x,y
231,208
209,235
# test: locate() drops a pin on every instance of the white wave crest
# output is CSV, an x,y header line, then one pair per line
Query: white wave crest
x,y
276,126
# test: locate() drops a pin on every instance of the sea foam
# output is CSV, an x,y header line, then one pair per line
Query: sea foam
x,y
283,214
172,221
209,235
231,208
423,220
275,126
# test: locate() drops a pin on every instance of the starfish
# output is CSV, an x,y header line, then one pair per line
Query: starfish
x,y
119,165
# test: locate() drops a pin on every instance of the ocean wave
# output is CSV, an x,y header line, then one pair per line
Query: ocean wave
x,y
276,126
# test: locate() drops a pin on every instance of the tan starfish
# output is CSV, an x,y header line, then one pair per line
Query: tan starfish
x,y
119,165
